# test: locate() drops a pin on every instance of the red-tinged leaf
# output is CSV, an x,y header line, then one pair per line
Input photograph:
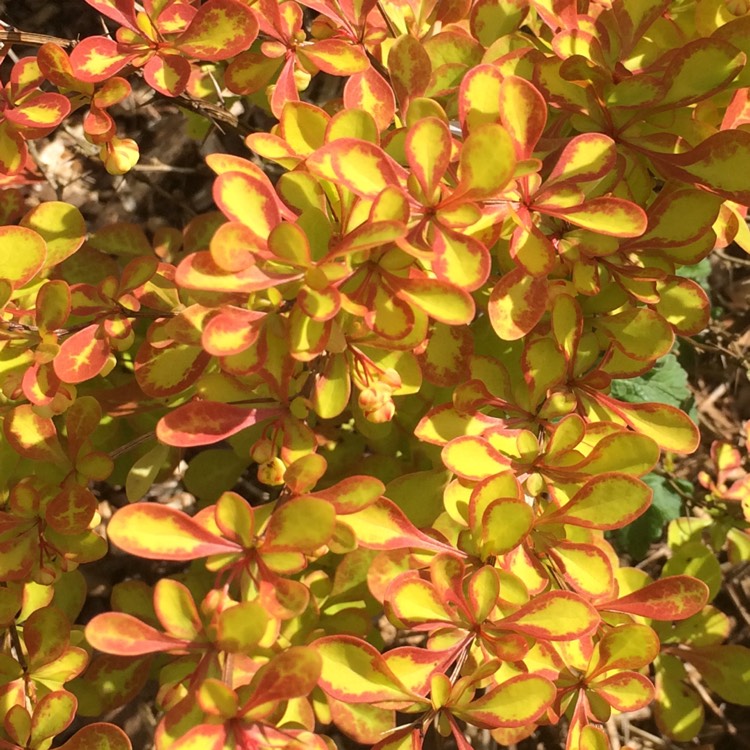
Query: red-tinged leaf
x,y
71,510
428,151
22,254
415,601
533,250
159,532
716,163
460,260
293,673
176,610
606,502
480,177
473,458
166,372
203,737
32,436
231,331
125,635
249,200
97,58
354,671
121,11
110,682
352,494
672,598
554,616
626,647
517,303
382,525
439,299
14,154
504,525
337,57
586,567
250,72
219,30
366,724
39,111
625,452
370,92
362,167
98,736
585,158
200,271
46,634
410,68
207,422
616,217
672,429
368,235
523,113
82,356
221,163
52,715
167,74
479,96
519,701
627,691
122,239
302,524
684,305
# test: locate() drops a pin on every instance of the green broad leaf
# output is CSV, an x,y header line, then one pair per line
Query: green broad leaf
x,y
213,472
698,272
636,537
665,383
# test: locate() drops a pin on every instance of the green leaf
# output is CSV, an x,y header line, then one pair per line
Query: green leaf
x,y
636,537
665,383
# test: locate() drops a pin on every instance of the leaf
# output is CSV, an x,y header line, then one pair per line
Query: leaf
x,y
143,472
673,598
725,669
666,505
32,436
23,253
118,633
354,671
302,524
517,303
626,691
665,383
219,30
52,715
554,616
206,422
99,736
159,532
82,356
370,92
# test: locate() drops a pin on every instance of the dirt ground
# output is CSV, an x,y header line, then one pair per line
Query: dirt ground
x,y
171,184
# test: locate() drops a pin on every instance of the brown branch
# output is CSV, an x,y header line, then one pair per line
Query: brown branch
x,y
33,40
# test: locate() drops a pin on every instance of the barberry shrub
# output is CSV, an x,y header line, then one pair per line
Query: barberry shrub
x,y
410,339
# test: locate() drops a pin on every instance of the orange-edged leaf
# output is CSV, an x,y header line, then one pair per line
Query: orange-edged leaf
x,y
22,254
626,647
98,736
125,635
684,305
232,331
428,151
14,153
362,167
353,493
175,607
166,372
82,356
519,701
523,113
554,616
480,177
718,163
219,30
39,111
370,92
586,567
302,524
585,158
159,532
517,303
611,216
382,525
247,199
533,250
415,601
366,723
200,271
121,11
608,501
60,225
293,673
626,691
504,525
354,671
32,436
479,96
672,429
368,235
241,628
337,57
460,259
97,58
167,74
671,598
439,299
71,510
473,458
410,68
207,422
52,715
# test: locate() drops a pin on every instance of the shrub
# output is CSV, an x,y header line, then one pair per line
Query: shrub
x,y
410,338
